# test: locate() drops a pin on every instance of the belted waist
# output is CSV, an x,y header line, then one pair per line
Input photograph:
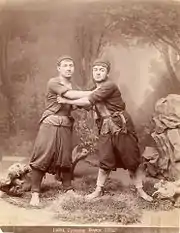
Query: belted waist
x,y
58,120
113,123
115,114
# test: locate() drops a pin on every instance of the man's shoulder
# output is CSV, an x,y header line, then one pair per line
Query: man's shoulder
x,y
110,85
53,80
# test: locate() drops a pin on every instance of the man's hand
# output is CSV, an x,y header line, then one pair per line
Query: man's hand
x,y
61,100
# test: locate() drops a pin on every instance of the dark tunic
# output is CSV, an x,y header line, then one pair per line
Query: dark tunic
x,y
118,145
54,88
53,145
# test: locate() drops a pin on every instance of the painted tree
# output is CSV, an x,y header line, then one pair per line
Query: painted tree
x,y
128,23
155,24
92,34
13,26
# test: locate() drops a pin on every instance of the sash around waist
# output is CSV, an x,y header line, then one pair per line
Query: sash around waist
x,y
112,123
58,120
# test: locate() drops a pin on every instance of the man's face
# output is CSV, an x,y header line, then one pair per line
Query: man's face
x,y
99,73
66,68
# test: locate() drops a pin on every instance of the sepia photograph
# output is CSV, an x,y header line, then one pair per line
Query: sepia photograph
x,y
90,116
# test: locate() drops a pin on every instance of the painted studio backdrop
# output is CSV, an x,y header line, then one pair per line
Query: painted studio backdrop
x,y
141,39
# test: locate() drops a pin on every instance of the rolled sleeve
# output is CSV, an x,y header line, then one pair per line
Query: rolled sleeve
x,y
102,92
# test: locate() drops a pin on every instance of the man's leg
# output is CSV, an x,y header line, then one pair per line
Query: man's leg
x,y
36,179
101,180
64,159
107,163
42,158
129,152
66,179
137,178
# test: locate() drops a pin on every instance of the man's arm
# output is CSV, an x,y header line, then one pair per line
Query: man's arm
x,y
103,92
61,90
74,94
98,95
81,102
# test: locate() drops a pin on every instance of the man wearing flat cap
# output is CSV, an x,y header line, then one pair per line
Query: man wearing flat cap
x,y
53,146
118,143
